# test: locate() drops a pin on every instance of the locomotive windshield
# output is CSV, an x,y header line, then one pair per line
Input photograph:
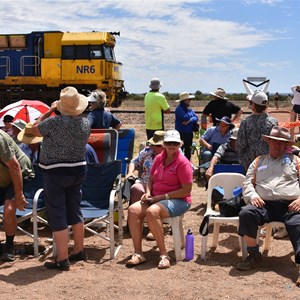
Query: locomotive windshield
x,y
88,52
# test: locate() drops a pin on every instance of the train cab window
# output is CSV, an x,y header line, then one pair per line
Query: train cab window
x,y
108,53
68,52
95,52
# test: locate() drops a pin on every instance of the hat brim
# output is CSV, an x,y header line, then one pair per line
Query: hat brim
x,y
266,138
189,98
225,98
28,139
231,125
152,143
172,139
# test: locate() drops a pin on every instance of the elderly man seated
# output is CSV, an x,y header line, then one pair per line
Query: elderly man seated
x,y
214,137
272,193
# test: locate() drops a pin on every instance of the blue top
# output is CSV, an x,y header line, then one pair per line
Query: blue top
x,y
213,136
101,119
184,113
90,155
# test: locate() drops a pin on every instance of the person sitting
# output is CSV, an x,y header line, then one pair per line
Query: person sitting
x,y
214,137
30,144
99,117
143,163
226,154
91,155
272,193
7,120
17,126
168,194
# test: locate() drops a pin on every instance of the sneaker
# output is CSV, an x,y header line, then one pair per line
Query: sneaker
x,y
7,257
251,262
63,265
78,256
280,233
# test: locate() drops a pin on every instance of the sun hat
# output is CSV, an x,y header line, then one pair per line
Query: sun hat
x,y
20,124
172,136
157,139
26,135
155,84
278,133
219,93
227,121
71,103
234,134
259,98
185,96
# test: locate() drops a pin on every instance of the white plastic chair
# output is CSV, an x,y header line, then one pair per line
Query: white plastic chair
x,y
228,181
178,236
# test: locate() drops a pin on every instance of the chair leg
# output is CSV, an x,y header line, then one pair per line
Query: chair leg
x,y
181,234
216,232
177,239
267,238
203,247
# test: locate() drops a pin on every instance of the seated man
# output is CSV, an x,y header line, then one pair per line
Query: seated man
x,y
214,137
272,193
226,154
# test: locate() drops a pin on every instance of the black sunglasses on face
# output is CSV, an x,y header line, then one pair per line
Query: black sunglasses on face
x,y
172,143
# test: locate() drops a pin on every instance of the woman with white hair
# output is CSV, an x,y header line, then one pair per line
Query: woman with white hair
x,y
99,117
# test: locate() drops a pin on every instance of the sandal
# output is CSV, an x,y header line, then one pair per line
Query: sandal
x,y
164,262
136,259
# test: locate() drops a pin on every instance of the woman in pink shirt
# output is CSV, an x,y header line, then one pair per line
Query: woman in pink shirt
x,y
168,194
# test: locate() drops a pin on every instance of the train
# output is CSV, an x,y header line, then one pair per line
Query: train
x,y
38,65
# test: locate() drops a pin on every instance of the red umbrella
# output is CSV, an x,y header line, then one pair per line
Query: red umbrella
x,y
27,110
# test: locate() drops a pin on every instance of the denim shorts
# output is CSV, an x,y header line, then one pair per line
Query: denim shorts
x,y
175,207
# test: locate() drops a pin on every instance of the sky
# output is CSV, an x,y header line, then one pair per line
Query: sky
x,y
189,45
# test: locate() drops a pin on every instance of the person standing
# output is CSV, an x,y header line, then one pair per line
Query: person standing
x,y
155,107
249,142
62,160
220,107
276,100
99,117
15,171
185,122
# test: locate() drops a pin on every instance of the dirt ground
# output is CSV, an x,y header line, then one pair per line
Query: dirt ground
x,y
100,277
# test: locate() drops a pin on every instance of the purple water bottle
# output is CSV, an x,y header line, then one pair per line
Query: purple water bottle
x,y
189,245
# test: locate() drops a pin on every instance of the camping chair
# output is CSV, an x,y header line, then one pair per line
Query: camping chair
x,y
101,186
105,143
228,168
228,181
33,192
125,147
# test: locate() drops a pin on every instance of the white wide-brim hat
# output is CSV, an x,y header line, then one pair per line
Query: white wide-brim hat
x,y
185,96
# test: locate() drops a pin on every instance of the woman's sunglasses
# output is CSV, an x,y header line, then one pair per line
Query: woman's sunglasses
x,y
172,143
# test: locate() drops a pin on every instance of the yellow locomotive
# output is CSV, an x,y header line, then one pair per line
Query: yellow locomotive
x,y
39,64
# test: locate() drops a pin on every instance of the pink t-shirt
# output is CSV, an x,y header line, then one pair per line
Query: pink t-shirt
x,y
170,178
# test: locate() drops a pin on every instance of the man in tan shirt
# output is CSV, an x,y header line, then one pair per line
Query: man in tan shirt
x,y
272,193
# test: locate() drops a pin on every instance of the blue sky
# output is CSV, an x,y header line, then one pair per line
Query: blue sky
x,y
189,45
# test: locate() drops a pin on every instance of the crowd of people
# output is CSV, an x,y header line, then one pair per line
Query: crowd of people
x,y
161,173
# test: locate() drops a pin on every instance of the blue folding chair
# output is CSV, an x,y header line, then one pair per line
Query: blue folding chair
x,y
33,192
102,185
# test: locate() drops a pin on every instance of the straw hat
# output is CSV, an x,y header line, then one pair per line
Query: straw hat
x,y
71,103
26,135
278,133
185,96
157,139
219,93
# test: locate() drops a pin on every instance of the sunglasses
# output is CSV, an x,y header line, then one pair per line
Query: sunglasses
x,y
172,143
159,146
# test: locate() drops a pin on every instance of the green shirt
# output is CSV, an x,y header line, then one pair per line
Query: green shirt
x,y
9,149
155,104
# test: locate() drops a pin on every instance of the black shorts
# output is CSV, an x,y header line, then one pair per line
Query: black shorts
x,y
296,108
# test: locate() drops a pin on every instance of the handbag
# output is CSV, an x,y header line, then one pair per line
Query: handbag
x,y
231,207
